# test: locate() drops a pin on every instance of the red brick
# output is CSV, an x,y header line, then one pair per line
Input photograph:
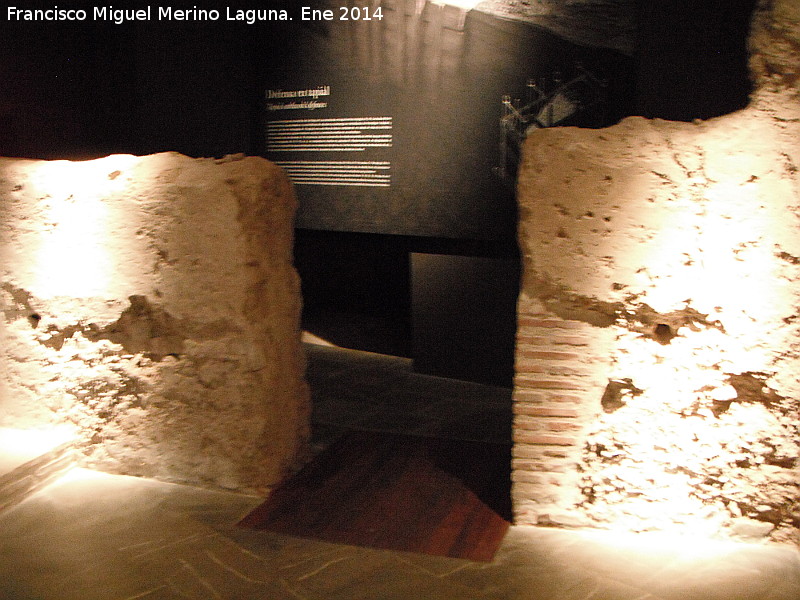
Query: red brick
x,y
548,384
526,321
522,492
560,426
537,466
528,396
527,464
540,478
549,411
543,453
556,454
526,491
569,341
526,477
544,355
565,398
527,366
529,437
533,340
528,425
544,425
522,408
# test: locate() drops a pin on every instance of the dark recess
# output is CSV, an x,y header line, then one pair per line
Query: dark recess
x,y
692,58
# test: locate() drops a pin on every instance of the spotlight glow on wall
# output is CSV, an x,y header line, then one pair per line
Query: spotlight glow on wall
x,y
686,398
463,6
23,445
72,259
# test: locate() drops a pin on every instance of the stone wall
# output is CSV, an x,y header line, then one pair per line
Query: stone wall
x,y
596,23
658,355
151,304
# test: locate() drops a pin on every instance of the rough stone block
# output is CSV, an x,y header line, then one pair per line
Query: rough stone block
x,y
151,304
676,247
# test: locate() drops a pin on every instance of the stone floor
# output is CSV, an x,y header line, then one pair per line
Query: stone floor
x,y
93,536
374,392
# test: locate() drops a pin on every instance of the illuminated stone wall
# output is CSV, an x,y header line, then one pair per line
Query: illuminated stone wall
x,y
151,304
658,355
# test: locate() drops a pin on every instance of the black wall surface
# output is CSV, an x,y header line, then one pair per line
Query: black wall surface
x,y
83,90
692,58
77,90
438,86
461,305
86,89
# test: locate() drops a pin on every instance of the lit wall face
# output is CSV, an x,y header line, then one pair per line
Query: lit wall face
x,y
151,305
673,251
658,363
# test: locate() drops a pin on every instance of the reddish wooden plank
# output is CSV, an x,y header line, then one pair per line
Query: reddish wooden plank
x,y
399,493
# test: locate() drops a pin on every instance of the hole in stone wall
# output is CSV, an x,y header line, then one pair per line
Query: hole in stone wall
x,y
617,394
34,319
663,333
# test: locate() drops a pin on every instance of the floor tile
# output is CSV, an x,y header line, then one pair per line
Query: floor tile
x,y
99,537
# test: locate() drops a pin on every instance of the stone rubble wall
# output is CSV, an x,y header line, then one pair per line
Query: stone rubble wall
x,y
151,303
658,355
599,23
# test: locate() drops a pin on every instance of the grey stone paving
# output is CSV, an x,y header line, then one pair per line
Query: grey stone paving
x,y
93,536
373,392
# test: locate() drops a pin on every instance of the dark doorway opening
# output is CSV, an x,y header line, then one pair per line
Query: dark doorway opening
x,y
449,305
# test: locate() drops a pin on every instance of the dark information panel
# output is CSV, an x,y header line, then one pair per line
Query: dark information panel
x,y
392,125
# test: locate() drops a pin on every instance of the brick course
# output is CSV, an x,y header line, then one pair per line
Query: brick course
x,y
554,377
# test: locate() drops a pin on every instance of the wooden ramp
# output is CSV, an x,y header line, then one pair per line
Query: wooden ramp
x,y
433,496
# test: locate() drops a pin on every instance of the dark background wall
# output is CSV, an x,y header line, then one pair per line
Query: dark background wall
x,y
692,58
82,90
79,91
